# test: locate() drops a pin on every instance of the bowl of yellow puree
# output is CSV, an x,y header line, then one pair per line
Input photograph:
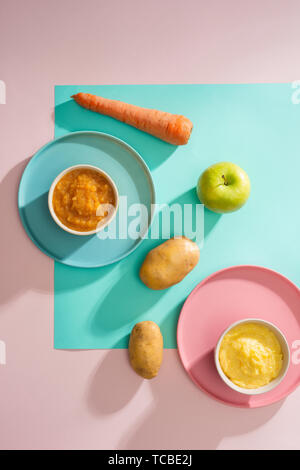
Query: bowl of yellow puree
x,y
252,356
83,199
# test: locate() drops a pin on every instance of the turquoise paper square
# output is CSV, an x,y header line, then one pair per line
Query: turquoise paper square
x,y
255,126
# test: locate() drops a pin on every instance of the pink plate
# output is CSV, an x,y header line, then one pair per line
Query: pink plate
x,y
223,298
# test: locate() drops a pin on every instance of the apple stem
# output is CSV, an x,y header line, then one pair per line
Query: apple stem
x,y
225,182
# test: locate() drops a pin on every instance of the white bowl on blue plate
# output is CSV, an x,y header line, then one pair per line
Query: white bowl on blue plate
x,y
100,226
116,158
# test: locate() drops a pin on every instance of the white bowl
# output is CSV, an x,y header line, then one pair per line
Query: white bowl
x,y
100,226
285,365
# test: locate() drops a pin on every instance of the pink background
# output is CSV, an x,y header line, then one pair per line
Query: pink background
x,y
92,399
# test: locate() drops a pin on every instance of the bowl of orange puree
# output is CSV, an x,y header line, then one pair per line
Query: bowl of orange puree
x,y
83,200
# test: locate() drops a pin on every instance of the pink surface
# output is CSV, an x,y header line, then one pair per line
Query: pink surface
x,y
222,299
92,399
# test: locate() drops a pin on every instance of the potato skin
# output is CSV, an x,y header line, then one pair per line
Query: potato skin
x,y
146,349
169,263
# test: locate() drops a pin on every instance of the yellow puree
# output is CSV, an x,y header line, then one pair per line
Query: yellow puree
x,y
250,355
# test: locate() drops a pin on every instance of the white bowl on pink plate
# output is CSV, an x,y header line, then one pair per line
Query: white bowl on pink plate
x,y
285,365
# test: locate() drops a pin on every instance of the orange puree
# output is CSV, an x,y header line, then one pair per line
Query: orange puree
x,y
77,196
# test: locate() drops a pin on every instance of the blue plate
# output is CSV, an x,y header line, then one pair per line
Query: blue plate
x,y
120,161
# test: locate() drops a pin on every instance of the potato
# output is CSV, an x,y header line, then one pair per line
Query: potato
x,y
169,263
146,349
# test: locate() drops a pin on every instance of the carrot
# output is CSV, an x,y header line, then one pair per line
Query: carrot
x,y
171,128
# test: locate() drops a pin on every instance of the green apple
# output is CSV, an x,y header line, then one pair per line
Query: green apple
x,y
223,187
